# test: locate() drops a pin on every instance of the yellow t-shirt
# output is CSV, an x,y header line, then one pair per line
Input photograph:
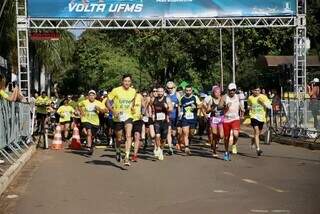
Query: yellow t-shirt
x,y
42,104
90,113
65,113
122,102
136,115
3,94
257,110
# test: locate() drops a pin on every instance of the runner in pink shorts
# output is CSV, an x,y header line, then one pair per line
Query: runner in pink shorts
x,y
216,118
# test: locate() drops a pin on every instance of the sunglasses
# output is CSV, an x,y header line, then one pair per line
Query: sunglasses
x,y
233,90
144,95
170,88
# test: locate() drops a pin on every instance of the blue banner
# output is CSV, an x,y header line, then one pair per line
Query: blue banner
x,y
141,9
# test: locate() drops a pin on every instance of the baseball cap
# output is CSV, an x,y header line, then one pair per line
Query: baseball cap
x,y
214,88
315,80
92,92
232,86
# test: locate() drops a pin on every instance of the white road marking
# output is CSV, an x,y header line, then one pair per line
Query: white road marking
x,y
228,173
280,211
220,191
259,211
12,196
250,181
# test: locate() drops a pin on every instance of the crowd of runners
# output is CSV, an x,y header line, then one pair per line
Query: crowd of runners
x,y
162,117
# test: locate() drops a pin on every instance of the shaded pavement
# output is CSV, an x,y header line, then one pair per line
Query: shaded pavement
x,y
284,180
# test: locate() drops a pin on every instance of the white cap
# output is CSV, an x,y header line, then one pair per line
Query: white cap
x,y
315,80
105,93
92,92
232,86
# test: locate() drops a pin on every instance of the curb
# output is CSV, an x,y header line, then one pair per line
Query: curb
x,y
297,143
14,169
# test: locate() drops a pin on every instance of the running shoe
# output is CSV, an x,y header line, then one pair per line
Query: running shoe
x,y
90,151
259,152
134,158
226,156
127,162
187,151
229,156
170,152
118,156
160,156
215,155
156,153
234,149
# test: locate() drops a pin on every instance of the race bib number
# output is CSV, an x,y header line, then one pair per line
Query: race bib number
x,y
145,119
216,120
91,107
161,116
231,116
123,117
189,116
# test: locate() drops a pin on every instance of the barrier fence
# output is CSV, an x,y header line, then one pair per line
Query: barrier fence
x,y
15,129
298,118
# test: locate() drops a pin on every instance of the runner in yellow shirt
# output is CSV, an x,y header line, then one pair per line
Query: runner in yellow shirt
x,y
89,110
123,101
137,124
65,112
258,104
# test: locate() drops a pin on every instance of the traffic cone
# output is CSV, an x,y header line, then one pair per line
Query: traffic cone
x,y
57,139
75,142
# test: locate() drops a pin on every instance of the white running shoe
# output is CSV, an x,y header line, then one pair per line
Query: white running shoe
x,y
160,157
156,153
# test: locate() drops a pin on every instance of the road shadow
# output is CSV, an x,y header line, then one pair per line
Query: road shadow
x,y
83,153
291,158
105,163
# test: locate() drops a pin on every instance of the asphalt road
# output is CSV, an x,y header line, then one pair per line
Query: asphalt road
x,y
285,180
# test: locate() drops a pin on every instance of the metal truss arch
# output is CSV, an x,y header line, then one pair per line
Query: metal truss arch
x,y
169,23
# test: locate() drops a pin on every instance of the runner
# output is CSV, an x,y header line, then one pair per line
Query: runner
x,y
231,123
257,104
216,118
122,98
65,112
162,106
89,111
189,105
173,116
146,119
42,102
137,124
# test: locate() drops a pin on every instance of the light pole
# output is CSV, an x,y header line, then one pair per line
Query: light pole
x,y
233,59
221,59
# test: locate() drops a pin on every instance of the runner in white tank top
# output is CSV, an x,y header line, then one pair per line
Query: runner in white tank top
x,y
233,112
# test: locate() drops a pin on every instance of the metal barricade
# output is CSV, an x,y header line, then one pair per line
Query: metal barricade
x,y
15,129
307,125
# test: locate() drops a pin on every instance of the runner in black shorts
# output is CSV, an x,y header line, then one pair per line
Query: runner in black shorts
x,y
161,107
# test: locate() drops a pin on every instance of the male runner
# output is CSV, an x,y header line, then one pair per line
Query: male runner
x,y
89,111
162,106
122,98
232,107
189,105
257,104
173,116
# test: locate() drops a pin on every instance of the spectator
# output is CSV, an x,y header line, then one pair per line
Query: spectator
x,y
314,93
3,94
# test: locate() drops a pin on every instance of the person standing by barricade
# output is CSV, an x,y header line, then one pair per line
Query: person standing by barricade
x,y
314,93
